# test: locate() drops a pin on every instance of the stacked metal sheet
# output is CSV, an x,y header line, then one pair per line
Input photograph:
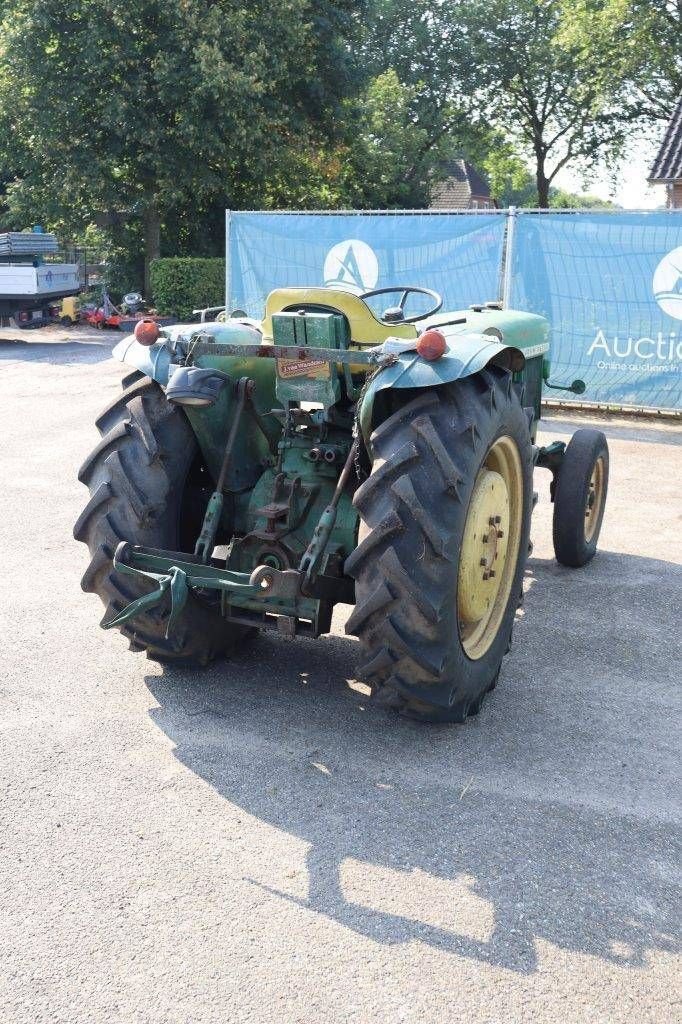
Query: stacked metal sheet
x,y
27,243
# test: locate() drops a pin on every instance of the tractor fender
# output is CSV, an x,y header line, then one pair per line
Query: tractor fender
x,y
152,360
466,355
155,360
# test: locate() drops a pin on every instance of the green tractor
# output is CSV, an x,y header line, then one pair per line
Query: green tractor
x,y
253,474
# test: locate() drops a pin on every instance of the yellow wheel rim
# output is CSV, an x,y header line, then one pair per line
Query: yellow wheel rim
x,y
595,499
490,547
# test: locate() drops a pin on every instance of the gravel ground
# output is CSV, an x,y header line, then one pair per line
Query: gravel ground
x,y
258,843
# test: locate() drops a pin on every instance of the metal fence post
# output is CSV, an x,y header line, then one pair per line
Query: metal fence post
x,y
228,264
508,256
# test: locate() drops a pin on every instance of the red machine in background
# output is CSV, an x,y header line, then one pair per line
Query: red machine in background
x,y
104,315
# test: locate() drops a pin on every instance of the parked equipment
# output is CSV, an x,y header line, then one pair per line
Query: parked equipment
x,y
106,315
253,474
30,287
69,311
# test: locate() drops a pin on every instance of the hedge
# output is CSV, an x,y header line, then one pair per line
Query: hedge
x,y
181,284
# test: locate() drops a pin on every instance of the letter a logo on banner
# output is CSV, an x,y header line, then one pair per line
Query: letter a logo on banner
x,y
668,283
351,265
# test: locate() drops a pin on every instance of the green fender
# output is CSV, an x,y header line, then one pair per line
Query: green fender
x,y
466,355
154,360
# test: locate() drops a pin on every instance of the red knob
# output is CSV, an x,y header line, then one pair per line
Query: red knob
x,y
147,331
431,344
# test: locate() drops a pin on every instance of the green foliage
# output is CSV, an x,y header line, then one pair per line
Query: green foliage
x,y
556,99
561,199
642,39
148,118
385,159
512,184
414,50
181,285
138,110
393,159
505,81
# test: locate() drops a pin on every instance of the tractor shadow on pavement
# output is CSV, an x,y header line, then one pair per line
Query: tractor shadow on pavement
x,y
547,819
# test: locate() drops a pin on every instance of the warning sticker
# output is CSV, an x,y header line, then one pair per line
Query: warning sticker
x,y
315,368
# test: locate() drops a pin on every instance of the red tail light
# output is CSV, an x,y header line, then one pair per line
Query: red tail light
x,y
147,331
431,344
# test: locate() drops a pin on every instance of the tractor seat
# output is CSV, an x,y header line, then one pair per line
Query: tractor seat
x,y
365,327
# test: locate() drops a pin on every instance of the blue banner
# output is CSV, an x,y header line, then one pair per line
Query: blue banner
x,y
611,286
458,255
609,283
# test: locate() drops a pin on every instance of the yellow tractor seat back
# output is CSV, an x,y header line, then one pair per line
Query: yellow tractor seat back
x,y
365,327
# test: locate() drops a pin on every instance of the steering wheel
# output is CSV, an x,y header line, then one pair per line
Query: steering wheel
x,y
395,314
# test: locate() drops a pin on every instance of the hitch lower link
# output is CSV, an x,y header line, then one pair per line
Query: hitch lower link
x,y
175,573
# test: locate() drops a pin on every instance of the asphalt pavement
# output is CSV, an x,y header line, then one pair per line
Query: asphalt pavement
x,y
257,843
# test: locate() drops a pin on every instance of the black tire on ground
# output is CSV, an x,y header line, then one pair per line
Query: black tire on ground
x,y
413,509
148,486
576,523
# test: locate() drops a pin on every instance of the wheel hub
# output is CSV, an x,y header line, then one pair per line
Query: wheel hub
x,y
484,549
594,502
490,547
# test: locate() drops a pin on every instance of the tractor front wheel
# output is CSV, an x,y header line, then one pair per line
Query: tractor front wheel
x,y
443,541
580,497
148,486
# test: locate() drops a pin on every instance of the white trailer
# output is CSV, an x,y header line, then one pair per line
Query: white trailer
x,y
29,287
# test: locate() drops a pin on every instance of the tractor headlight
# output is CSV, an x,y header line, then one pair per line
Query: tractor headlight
x,y
192,385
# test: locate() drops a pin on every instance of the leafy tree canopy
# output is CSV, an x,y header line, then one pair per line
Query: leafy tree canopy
x,y
144,107
148,118
641,41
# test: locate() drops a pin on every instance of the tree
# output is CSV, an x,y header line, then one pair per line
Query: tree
x,y
656,42
512,184
644,41
395,156
561,199
501,76
140,109
414,49
558,100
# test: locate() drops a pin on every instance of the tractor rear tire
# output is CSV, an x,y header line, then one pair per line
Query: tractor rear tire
x,y
580,498
146,487
434,462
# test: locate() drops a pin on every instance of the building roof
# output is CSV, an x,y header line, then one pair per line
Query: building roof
x,y
668,164
461,183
